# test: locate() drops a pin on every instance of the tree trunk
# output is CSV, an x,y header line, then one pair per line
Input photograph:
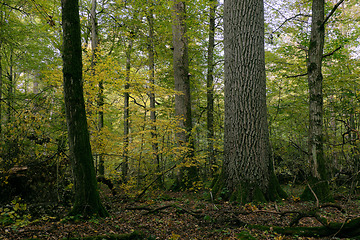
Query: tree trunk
x,y
10,92
151,63
100,101
247,173
182,85
125,166
210,88
1,86
87,200
318,181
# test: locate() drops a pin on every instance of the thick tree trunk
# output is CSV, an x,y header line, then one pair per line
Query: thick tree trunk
x,y
151,63
87,201
210,88
247,173
318,181
125,166
182,84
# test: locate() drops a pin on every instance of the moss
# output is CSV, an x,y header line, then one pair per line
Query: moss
x,y
321,190
275,191
245,192
349,229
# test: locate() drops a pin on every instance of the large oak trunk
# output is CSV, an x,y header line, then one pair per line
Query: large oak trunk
x,y
247,173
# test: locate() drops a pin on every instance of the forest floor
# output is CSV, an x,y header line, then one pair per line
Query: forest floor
x,y
168,215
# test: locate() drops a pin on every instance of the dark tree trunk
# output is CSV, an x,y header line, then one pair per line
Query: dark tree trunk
x,y
100,101
247,173
1,86
87,201
183,100
125,166
210,88
318,181
151,63
10,91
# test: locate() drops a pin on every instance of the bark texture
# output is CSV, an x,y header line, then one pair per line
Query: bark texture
x,y
181,71
87,201
182,84
319,176
247,173
210,88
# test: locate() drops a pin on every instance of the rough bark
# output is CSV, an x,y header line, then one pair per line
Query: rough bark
x,y
210,88
1,88
247,173
87,201
1,72
318,179
182,85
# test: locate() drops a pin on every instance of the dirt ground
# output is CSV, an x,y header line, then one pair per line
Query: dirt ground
x,y
179,216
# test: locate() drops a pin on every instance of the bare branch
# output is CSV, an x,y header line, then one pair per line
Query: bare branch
x,y
332,12
291,18
299,75
331,53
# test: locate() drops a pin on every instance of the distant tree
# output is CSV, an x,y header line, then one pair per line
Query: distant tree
x,y
210,87
87,200
125,166
247,172
182,85
151,64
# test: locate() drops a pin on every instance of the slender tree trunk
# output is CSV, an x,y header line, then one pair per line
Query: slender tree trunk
x,y
151,63
247,173
319,176
1,87
125,166
1,71
210,87
182,85
100,100
87,200
10,90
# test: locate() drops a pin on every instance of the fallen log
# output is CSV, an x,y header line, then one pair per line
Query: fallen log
x,y
348,229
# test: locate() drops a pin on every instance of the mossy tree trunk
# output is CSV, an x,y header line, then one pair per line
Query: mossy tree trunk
x,y
87,200
318,179
247,172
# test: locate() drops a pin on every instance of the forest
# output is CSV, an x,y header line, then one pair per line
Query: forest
x,y
203,119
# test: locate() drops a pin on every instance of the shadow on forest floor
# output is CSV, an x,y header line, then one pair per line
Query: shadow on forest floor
x,y
168,215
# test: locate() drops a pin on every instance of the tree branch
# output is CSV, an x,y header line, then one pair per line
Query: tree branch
x,y
331,53
291,18
332,12
299,75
